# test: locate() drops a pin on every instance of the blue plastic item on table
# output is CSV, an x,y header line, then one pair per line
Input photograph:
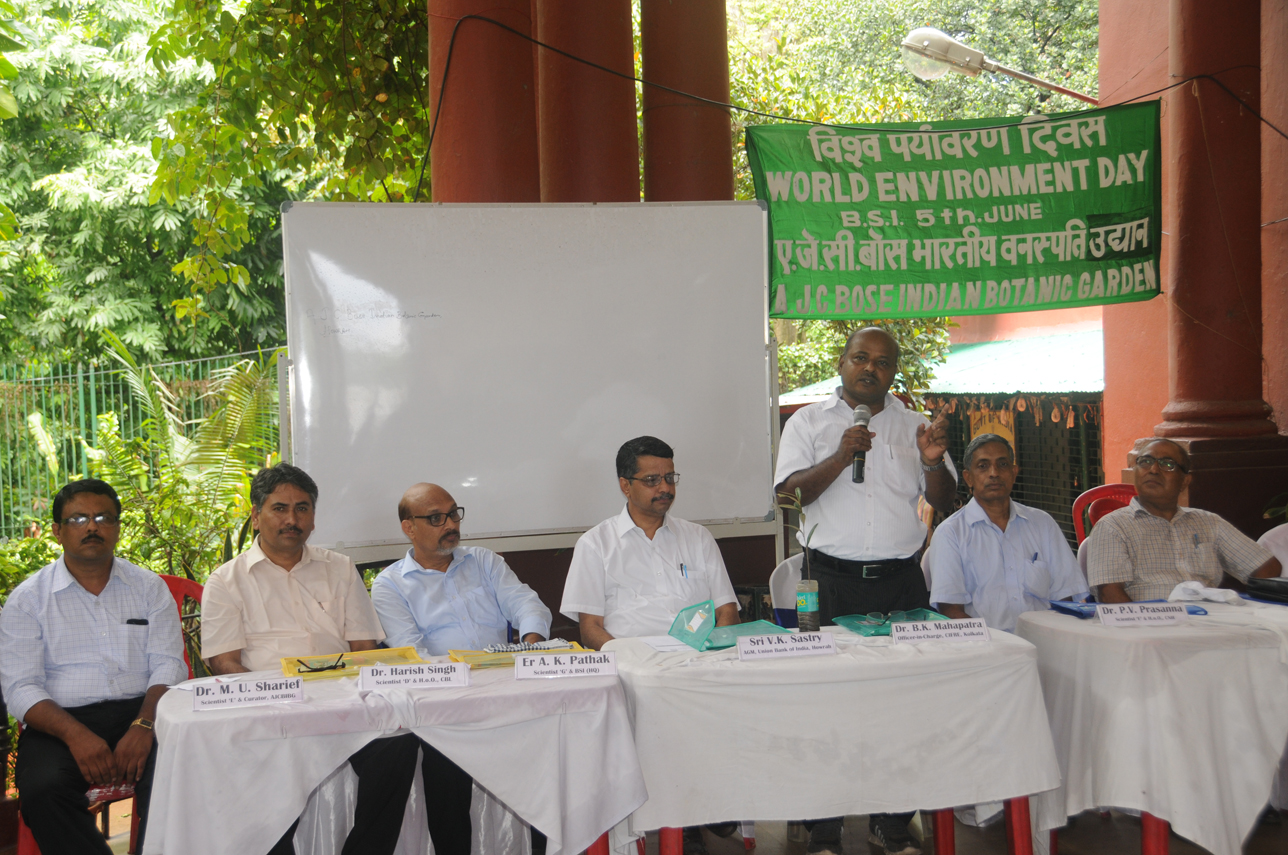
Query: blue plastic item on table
x,y
1088,610
727,636
865,625
694,623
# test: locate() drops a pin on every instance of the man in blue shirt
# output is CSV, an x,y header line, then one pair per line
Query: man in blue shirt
x,y
443,596
88,645
996,558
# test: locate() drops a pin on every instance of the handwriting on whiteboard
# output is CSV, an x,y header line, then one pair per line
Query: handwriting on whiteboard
x,y
343,319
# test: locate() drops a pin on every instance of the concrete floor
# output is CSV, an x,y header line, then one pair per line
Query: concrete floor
x,y
1088,834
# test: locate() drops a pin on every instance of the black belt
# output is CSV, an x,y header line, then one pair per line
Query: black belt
x,y
863,569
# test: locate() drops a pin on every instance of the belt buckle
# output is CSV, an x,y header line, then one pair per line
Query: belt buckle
x,y
876,567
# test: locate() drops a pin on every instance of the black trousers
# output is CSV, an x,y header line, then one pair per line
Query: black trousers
x,y
842,589
386,769
52,788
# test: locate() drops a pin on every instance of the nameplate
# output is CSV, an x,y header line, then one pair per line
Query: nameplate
x,y
423,675
247,693
592,663
1141,614
913,631
754,647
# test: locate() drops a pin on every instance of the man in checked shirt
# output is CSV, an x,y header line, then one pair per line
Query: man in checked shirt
x,y
88,646
1143,551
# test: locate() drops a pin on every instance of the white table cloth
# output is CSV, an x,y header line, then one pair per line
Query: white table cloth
x,y
878,727
1186,722
558,753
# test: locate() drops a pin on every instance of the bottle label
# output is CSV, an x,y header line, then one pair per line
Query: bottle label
x,y
807,601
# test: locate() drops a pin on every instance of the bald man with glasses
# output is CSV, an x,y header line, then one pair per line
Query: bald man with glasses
x,y
1143,551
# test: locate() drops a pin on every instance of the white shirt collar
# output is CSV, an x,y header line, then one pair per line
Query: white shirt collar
x,y
624,522
256,554
974,512
63,577
1139,509
891,402
411,565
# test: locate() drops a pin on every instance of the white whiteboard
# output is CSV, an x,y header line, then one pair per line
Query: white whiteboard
x,y
507,351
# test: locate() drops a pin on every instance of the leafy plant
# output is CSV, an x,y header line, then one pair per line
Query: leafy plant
x,y
185,488
793,502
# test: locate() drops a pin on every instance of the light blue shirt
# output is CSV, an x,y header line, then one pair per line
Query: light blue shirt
x,y
465,608
59,642
997,575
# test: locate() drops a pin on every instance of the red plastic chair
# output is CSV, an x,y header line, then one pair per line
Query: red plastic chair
x,y
1097,502
102,797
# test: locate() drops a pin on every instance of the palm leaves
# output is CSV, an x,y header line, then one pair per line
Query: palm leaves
x,y
185,486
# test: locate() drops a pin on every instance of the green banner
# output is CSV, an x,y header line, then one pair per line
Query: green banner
x,y
961,218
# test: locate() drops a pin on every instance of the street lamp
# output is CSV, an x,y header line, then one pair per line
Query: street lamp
x,y
930,54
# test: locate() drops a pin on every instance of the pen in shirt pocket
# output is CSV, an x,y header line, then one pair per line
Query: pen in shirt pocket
x,y
684,570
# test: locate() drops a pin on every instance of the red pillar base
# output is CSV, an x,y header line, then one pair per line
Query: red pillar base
x,y
945,832
1019,832
670,841
1154,833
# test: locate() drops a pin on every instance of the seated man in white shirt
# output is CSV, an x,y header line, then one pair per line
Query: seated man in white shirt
x,y
443,596
88,645
996,558
633,573
284,598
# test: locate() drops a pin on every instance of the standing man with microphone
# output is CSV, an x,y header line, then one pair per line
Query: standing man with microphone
x,y
860,475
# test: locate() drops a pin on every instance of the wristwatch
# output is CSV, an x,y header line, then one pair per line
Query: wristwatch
x,y
940,465
145,723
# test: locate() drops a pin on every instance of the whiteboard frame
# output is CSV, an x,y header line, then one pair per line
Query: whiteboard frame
x,y
770,525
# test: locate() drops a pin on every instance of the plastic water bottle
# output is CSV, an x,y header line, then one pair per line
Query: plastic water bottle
x,y
807,605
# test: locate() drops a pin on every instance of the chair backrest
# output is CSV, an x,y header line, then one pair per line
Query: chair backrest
x,y
1106,497
180,588
782,589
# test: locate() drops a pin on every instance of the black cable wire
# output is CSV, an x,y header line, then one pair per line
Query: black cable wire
x,y
451,46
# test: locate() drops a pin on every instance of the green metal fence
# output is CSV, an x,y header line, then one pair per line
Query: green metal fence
x,y
66,401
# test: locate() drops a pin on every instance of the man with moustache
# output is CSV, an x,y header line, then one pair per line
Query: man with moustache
x,y
443,596
865,535
633,573
1143,551
996,558
284,598
88,645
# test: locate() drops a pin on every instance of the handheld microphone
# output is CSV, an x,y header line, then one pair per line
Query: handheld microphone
x,y
862,416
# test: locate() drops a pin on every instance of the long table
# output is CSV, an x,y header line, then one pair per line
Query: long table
x,y
1185,723
557,753
878,727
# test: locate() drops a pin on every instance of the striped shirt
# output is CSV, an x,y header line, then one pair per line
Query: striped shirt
x,y
1150,555
59,642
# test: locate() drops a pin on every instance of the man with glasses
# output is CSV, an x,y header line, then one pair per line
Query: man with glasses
x,y
88,645
1143,551
633,573
996,558
284,598
443,596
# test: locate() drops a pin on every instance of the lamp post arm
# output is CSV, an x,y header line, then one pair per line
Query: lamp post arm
x,y
990,65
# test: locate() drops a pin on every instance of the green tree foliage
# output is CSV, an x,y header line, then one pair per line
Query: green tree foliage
x,y
838,61
185,488
334,92
95,252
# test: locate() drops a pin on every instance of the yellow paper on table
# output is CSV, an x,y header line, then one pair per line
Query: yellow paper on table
x,y
319,667
483,659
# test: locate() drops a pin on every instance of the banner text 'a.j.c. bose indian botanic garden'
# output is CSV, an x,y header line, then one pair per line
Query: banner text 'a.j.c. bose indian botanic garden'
x,y
961,218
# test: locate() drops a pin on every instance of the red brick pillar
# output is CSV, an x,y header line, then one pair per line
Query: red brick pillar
x,y
688,145
1216,401
485,146
1274,207
589,141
